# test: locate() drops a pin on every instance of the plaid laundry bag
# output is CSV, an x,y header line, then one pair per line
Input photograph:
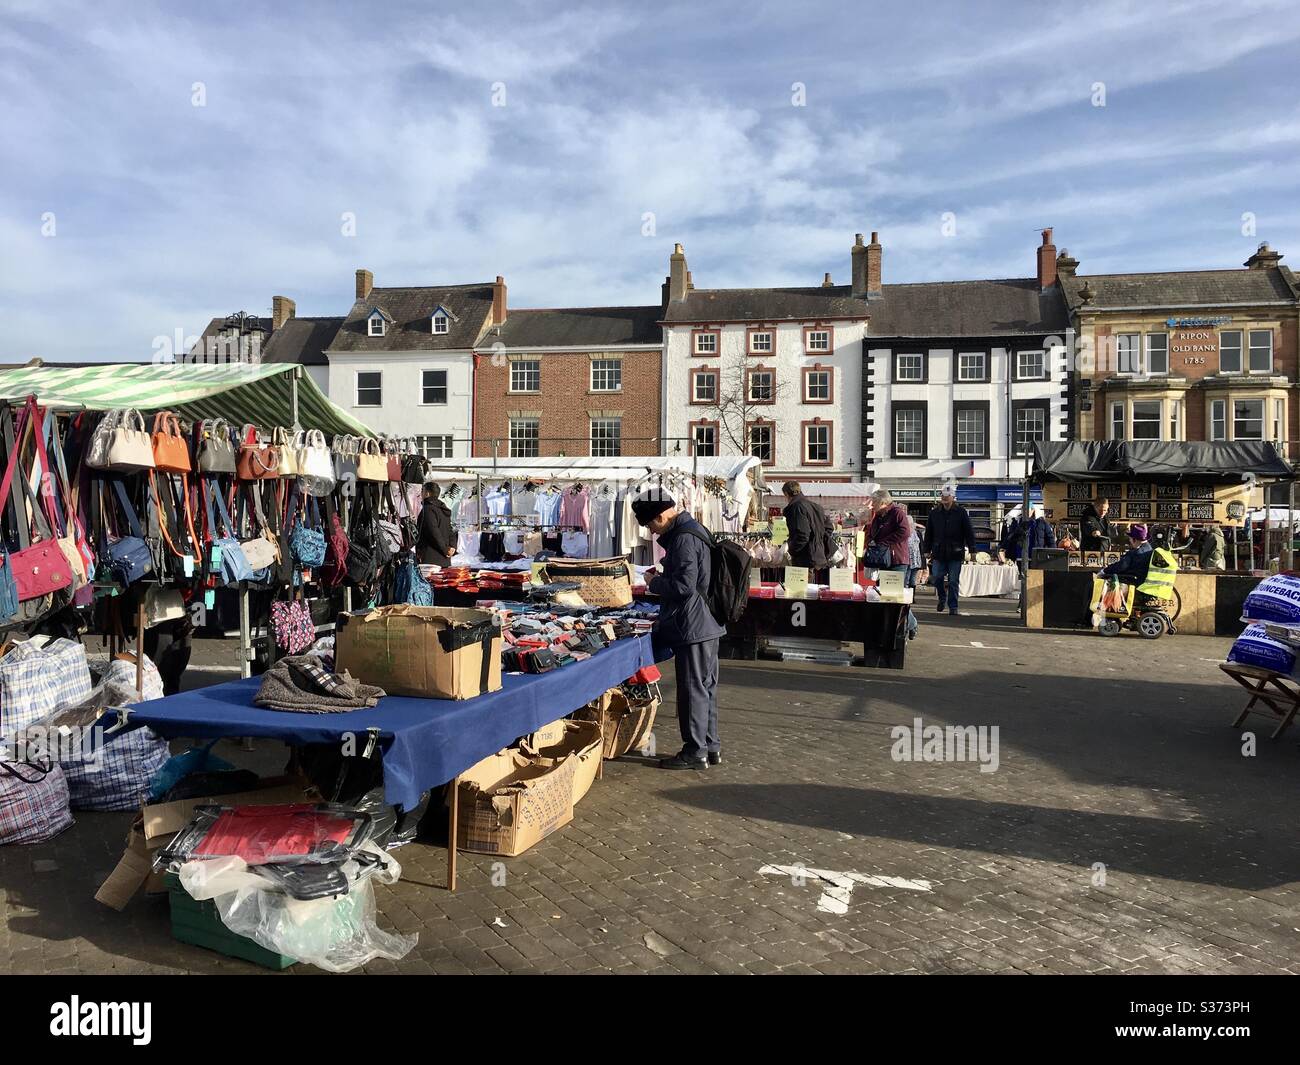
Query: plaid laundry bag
x,y
37,681
33,801
115,772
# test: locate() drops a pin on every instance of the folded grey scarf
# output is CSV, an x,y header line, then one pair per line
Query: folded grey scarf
x,y
299,683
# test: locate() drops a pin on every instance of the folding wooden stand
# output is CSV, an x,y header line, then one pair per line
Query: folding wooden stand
x,y
1277,691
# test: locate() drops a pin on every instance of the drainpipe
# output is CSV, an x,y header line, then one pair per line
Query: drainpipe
x,y
473,402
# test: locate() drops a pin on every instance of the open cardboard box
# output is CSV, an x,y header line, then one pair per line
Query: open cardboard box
x,y
581,742
429,652
510,800
157,823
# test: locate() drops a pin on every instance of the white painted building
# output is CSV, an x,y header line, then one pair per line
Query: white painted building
x,y
961,378
773,372
402,362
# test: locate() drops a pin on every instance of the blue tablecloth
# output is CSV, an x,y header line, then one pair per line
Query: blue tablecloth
x,y
424,742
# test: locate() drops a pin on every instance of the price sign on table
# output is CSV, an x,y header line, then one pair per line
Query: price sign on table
x,y
796,582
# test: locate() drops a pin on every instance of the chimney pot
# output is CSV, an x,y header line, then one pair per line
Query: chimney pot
x,y
282,309
1264,258
365,282
857,239
827,282
866,266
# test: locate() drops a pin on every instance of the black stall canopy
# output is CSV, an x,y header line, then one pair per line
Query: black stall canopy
x,y
1159,461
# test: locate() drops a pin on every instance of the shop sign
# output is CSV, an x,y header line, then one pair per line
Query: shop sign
x,y
1195,322
1194,347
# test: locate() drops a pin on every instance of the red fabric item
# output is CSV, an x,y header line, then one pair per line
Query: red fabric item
x,y
648,675
261,834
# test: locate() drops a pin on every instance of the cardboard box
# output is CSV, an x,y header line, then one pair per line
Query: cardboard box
x,y
581,742
155,825
427,651
546,736
624,725
509,801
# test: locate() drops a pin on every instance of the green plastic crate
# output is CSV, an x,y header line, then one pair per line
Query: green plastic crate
x,y
199,923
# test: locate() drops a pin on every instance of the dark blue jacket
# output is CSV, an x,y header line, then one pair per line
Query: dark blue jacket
x,y
1133,563
1040,535
683,586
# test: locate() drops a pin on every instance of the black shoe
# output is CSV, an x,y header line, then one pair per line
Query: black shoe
x,y
954,613
678,761
715,758
940,606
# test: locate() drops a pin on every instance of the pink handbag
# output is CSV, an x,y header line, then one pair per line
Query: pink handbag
x,y
40,569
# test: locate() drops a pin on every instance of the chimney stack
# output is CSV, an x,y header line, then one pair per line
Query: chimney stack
x,y
827,282
1264,258
499,300
365,282
873,265
1046,261
1066,264
282,309
858,258
678,278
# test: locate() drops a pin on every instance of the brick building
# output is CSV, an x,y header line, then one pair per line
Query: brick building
x,y
1186,355
574,381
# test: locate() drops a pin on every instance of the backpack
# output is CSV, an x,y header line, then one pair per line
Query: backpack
x,y
729,566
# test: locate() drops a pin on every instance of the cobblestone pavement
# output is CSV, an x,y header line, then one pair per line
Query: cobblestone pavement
x,y
1122,831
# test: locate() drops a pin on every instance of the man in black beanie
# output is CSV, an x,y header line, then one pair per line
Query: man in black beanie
x,y
686,625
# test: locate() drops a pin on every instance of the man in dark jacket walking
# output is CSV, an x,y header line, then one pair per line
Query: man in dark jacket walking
x,y
808,526
949,537
686,625
434,543
1034,530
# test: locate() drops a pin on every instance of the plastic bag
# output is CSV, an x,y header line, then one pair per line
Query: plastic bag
x,y
1275,598
1255,647
178,767
337,934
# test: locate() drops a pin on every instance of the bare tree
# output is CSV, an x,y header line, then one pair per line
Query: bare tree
x,y
736,405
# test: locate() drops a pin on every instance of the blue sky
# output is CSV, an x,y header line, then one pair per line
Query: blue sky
x,y
165,214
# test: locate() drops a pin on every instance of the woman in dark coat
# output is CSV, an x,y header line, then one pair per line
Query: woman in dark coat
x,y
434,543
890,527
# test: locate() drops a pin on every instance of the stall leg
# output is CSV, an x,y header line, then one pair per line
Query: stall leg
x,y
245,650
453,830
139,651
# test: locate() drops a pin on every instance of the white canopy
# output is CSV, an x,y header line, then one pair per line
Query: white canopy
x,y
855,490
732,469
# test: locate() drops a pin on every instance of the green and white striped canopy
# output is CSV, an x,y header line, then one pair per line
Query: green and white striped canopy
x,y
241,393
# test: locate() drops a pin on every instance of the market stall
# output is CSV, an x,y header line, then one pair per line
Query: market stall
x,y
1178,488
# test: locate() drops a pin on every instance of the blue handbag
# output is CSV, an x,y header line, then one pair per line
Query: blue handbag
x,y
234,563
8,590
128,558
409,586
307,545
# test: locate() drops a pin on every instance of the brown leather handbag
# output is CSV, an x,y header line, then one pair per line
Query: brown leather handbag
x,y
171,452
257,461
394,460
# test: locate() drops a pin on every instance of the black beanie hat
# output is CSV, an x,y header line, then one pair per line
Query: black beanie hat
x,y
648,508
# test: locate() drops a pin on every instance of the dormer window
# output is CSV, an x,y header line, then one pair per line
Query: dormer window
x,y
440,322
376,326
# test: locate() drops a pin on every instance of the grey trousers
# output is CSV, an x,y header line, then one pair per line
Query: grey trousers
x,y
697,697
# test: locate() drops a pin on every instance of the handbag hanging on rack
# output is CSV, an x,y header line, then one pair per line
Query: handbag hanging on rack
x,y
256,462
226,553
171,454
316,465
127,557
372,465
62,520
39,567
216,452
307,543
336,557
262,551
344,453
287,445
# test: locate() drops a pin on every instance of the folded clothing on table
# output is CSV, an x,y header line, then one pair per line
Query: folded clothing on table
x,y
302,684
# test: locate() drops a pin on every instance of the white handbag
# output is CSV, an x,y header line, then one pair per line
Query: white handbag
x,y
162,604
131,448
261,552
316,465
288,449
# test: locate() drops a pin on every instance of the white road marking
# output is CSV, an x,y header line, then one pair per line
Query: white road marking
x,y
838,887
981,646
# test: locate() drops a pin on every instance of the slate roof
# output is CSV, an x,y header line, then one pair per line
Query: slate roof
x,y
766,304
302,340
1183,288
966,308
562,327
411,312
